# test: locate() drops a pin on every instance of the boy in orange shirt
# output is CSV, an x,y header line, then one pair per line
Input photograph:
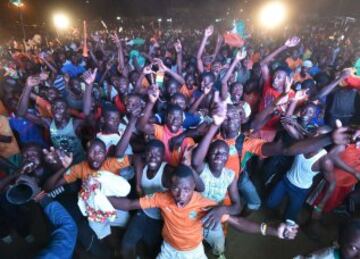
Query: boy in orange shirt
x,y
173,127
182,210
96,161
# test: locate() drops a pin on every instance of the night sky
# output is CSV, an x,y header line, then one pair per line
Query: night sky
x,y
39,11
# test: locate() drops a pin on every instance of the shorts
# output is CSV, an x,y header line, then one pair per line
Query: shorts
x,y
169,252
216,239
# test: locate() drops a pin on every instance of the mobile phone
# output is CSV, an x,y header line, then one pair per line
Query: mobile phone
x,y
155,68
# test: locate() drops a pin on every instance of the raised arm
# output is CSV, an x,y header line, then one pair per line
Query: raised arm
x,y
145,71
327,89
291,42
219,43
208,32
204,94
240,55
48,64
199,155
125,138
251,227
178,49
167,70
264,116
23,105
340,136
139,167
109,65
186,160
121,63
89,78
143,122
201,151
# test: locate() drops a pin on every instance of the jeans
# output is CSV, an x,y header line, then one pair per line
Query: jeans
x,y
248,191
142,228
216,239
296,197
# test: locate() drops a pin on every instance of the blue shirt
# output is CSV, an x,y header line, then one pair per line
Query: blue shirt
x,y
72,70
26,130
63,237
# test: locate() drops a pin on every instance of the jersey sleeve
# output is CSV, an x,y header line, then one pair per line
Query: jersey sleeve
x,y
73,173
115,164
152,201
253,146
158,131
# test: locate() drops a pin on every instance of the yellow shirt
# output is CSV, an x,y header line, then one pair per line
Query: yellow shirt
x,y
7,149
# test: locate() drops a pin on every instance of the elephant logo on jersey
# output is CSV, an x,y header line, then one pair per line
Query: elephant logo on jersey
x,y
192,215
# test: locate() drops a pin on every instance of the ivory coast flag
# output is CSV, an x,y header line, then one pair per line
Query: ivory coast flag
x,y
236,37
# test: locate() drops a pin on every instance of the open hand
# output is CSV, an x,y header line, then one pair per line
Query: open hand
x,y
44,76
213,218
292,42
65,159
209,31
346,73
115,38
154,94
285,231
89,77
51,156
219,112
178,46
241,54
32,81
301,95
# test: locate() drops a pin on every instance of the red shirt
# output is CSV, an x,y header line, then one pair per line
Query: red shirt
x,y
120,105
268,97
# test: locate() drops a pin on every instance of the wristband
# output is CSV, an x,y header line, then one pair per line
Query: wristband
x,y
263,228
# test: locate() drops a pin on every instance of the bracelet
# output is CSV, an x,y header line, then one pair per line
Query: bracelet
x,y
39,195
317,209
263,228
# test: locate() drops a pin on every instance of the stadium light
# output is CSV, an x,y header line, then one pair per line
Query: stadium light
x,y
17,3
273,14
61,21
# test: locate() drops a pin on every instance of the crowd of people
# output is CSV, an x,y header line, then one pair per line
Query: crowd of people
x,y
175,136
